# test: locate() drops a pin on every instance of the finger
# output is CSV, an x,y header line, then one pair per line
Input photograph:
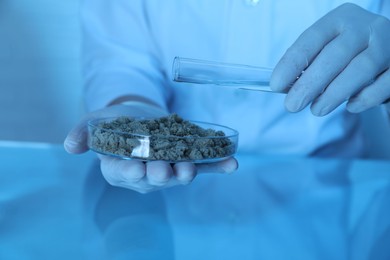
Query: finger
x,y
375,94
227,166
158,173
334,57
122,173
301,53
358,74
76,140
184,172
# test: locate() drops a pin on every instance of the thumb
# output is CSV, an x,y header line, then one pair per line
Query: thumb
x,y
77,138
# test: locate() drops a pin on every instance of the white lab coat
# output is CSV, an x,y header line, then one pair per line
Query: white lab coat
x,y
129,46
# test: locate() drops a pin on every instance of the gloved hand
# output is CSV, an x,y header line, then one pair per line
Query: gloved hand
x,y
134,174
345,56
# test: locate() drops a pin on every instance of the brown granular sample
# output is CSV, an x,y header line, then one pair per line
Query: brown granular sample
x,y
167,138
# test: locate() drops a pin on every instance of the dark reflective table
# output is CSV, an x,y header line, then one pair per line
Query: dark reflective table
x,y
58,206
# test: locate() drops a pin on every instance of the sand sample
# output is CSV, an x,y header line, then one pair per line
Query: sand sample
x,y
169,138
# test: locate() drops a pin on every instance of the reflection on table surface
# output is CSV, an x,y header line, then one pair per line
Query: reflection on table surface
x,y
58,206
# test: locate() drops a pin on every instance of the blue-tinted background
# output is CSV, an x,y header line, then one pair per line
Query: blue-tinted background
x,y
40,78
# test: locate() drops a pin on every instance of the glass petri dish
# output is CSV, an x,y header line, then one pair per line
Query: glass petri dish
x,y
206,142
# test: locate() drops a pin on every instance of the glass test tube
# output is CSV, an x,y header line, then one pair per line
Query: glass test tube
x,y
224,74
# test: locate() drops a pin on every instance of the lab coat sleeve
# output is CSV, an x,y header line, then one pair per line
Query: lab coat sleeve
x,y
119,55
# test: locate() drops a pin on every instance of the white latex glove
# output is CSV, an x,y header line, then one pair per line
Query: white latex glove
x,y
345,56
134,174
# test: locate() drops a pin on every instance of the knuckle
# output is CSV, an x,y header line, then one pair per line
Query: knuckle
x,y
369,63
341,49
132,177
296,56
159,178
